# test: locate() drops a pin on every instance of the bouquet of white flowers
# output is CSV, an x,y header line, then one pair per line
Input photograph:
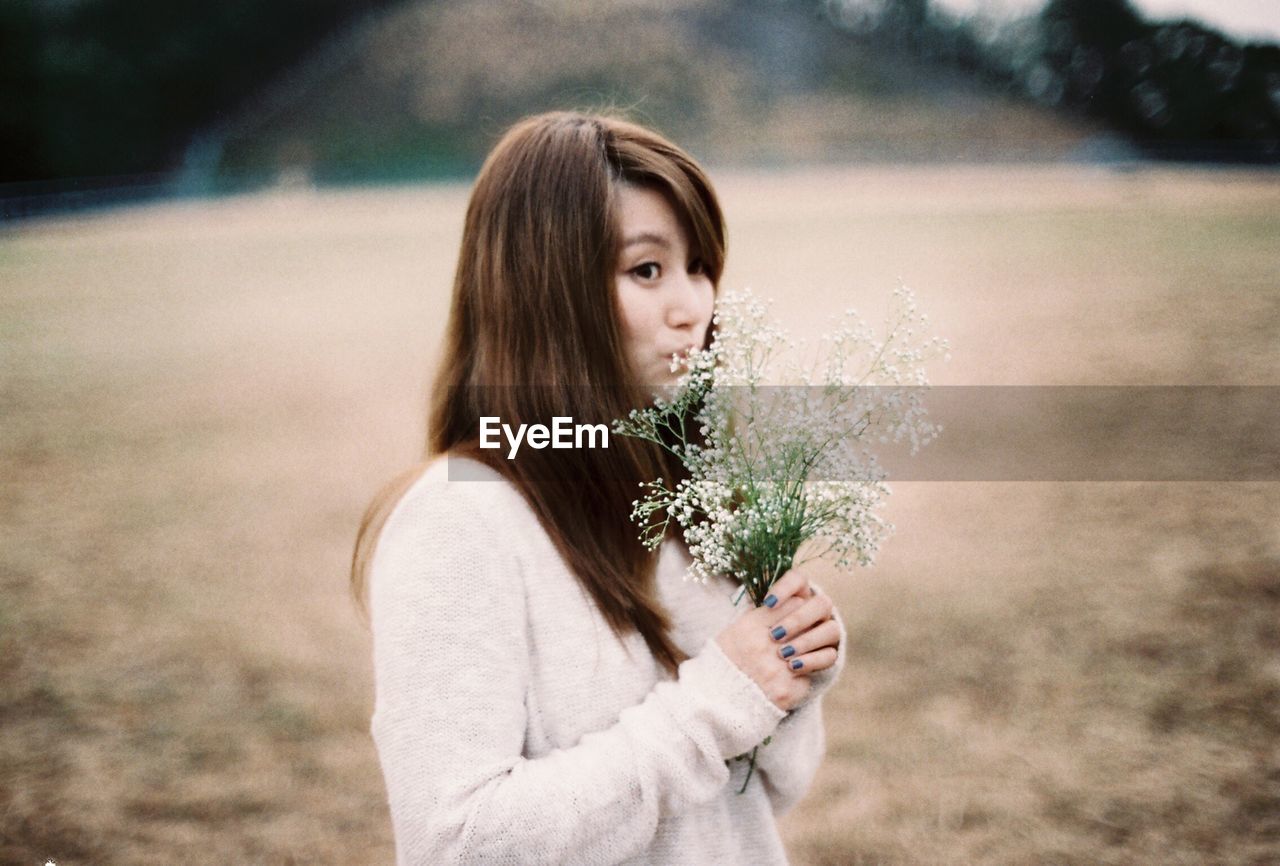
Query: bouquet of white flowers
x,y
772,467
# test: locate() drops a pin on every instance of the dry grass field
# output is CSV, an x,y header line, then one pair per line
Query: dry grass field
x,y
198,400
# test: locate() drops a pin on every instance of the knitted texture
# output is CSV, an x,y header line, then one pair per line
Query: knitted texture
x,y
513,726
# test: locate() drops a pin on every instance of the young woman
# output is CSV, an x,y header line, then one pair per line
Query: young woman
x,y
547,691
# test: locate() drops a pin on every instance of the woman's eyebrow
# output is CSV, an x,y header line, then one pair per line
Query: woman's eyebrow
x,y
646,238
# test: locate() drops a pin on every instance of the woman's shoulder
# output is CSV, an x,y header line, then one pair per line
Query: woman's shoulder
x,y
457,509
457,498
450,551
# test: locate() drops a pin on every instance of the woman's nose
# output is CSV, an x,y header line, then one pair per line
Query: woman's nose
x,y
685,306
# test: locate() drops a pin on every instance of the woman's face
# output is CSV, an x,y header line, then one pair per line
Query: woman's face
x,y
664,292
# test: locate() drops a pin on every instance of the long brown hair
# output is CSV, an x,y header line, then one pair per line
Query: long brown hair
x,y
534,332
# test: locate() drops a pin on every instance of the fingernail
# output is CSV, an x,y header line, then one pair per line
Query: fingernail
x,y
788,651
796,664
770,600
779,633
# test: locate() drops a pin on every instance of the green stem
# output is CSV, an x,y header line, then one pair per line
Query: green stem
x,y
750,769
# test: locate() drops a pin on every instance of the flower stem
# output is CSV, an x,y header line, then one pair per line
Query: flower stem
x,y
750,769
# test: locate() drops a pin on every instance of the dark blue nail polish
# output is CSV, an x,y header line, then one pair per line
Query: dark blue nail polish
x,y
788,651
770,600
779,633
796,664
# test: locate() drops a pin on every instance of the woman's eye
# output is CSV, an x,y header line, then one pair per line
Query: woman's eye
x,y
647,271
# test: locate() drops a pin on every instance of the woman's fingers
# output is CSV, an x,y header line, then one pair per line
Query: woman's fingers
x,y
793,583
746,643
814,610
817,660
795,623
824,634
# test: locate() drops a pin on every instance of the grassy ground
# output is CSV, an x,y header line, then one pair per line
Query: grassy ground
x,y
198,401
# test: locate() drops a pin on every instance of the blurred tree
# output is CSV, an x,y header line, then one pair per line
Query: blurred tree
x,y
1178,88
20,40
110,87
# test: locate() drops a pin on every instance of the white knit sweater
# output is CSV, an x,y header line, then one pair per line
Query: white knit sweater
x,y
512,726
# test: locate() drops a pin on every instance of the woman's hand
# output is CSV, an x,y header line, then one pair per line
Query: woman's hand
x,y
780,644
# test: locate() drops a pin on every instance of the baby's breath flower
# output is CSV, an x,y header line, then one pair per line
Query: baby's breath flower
x,y
774,469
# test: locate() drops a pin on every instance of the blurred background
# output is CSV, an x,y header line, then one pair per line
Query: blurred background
x,y
195,98
227,235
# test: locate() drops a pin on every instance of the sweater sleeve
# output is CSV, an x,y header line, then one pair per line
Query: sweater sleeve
x,y
790,761
451,664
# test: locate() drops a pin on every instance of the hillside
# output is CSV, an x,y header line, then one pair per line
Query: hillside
x,y
422,90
